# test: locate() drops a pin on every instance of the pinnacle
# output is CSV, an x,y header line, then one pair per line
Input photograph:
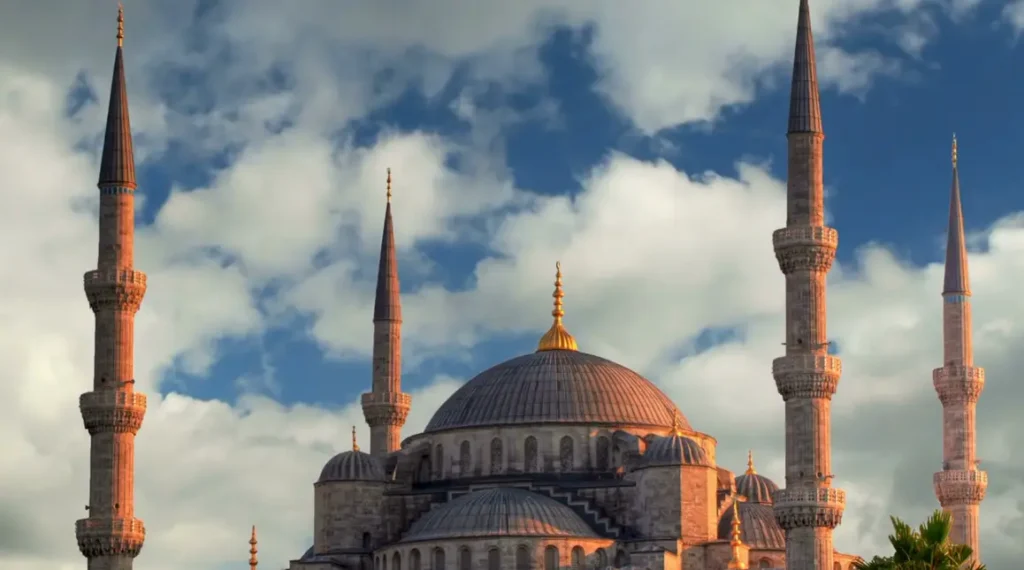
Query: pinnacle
x,y
804,101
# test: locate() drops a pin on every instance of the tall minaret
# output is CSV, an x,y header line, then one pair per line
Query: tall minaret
x,y
808,509
960,486
111,537
385,407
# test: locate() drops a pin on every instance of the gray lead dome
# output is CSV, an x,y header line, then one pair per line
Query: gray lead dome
x,y
352,466
557,386
674,449
501,511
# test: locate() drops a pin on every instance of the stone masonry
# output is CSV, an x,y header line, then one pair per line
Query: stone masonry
x,y
385,407
808,509
111,537
960,486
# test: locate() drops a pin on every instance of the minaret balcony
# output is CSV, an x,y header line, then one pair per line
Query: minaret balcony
x,y
958,384
110,536
805,248
116,411
809,507
115,288
807,375
387,408
960,487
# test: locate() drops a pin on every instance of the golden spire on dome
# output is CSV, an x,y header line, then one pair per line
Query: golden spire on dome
x,y
355,446
954,150
120,24
734,540
252,550
750,463
389,185
557,338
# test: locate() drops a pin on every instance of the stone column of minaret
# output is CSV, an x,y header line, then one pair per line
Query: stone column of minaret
x,y
111,537
808,509
960,486
385,407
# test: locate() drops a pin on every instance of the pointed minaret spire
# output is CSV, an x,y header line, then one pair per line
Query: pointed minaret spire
x,y
117,163
253,561
960,486
355,444
385,407
804,103
956,280
750,463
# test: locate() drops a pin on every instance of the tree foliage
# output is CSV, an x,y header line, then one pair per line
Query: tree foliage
x,y
926,548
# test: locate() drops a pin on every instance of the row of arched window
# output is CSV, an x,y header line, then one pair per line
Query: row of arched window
x,y
524,559
531,460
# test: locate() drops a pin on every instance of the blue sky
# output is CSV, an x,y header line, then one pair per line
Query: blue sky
x,y
645,149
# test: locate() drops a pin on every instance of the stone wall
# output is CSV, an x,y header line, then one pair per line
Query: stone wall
x,y
348,515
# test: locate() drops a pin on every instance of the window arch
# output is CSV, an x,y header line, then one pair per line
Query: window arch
x,y
602,558
376,563
621,558
551,558
439,461
396,561
414,559
522,558
531,454
578,558
384,561
494,559
602,453
367,541
565,453
465,559
764,563
438,559
465,459
837,566
496,455
423,470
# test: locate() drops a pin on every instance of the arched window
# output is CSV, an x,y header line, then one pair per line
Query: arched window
x,y
764,563
837,566
384,562
414,559
367,541
551,558
531,454
438,559
578,558
439,461
602,558
496,455
621,559
465,559
565,453
423,471
396,561
494,559
376,563
602,453
522,558
465,460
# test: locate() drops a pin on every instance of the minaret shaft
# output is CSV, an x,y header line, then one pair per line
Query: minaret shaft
x,y
111,537
808,509
960,487
386,407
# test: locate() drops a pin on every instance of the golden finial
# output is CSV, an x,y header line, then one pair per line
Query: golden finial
x,y
954,150
750,463
675,423
735,541
252,550
120,24
557,338
355,446
389,185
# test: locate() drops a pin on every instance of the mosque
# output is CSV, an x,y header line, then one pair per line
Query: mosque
x,y
558,458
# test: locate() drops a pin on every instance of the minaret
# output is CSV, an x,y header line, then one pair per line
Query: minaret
x,y
808,509
960,486
111,537
736,561
385,407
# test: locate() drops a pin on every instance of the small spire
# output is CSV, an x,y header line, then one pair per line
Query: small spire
x,y
675,423
355,446
750,463
804,99
252,550
117,163
956,280
736,562
557,338
387,305
120,24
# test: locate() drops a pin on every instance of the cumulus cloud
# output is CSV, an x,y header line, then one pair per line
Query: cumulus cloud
x,y
1014,14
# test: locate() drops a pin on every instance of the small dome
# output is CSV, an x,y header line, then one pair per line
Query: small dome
x,y
758,527
352,466
501,511
756,488
674,449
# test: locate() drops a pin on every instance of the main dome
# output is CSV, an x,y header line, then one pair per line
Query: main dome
x,y
557,387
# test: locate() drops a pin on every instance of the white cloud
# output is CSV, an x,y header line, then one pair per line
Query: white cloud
x,y
1013,13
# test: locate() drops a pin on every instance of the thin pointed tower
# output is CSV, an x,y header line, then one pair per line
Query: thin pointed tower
x,y
111,537
385,407
960,486
809,508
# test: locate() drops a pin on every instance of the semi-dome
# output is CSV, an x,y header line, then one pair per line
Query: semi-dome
x,y
352,465
756,488
758,527
674,449
501,511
